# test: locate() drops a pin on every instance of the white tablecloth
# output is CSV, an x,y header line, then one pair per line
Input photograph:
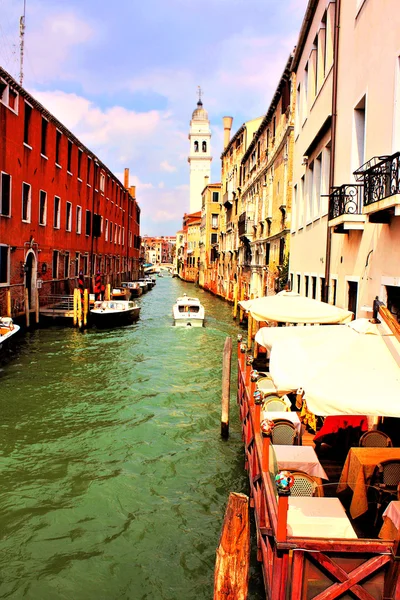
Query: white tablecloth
x,y
299,458
318,517
393,513
290,416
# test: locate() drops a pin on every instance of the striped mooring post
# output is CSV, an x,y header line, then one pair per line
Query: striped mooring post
x,y
97,286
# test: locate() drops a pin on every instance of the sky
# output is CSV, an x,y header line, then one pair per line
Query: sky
x,y
123,77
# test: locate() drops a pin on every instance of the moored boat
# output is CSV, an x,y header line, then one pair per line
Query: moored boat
x,y
114,313
133,287
121,293
7,329
188,312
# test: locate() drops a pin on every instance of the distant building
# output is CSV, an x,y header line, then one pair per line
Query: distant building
x,y
211,211
199,154
61,209
159,250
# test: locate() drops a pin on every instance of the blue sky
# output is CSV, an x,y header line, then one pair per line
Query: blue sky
x,y
123,77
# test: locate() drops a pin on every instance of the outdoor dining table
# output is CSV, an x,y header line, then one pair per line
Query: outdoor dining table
x,y
299,458
357,472
390,529
318,517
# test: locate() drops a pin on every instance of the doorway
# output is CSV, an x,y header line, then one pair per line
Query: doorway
x,y
352,300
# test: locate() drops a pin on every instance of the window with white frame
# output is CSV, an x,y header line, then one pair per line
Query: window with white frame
x,y
111,231
55,264
106,231
57,210
115,233
214,221
77,263
88,222
68,217
102,182
8,96
78,219
123,236
42,207
26,202
5,195
4,264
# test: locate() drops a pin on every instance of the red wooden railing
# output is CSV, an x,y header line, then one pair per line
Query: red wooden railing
x,y
306,568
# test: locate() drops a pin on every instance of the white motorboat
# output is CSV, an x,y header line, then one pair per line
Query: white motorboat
x,y
114,313
133,287
188,312
7,329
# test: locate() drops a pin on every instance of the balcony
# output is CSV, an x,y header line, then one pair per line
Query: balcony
x,y
381,178
345,208
245,225
227,199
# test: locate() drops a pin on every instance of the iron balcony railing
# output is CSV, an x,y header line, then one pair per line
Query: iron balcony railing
x,y
345,200
381,177
245,223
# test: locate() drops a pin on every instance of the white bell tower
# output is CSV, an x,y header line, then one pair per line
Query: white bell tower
x,y
200,154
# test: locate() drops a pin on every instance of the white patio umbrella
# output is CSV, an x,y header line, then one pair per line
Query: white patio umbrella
x,y
289,307
346,370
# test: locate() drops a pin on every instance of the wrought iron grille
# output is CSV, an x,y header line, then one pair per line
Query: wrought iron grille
x,y
382,179
345,200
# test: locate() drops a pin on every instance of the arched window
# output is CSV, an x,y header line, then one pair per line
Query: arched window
x,y
204,146
196,146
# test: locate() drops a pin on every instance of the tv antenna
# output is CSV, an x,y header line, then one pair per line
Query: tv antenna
x,y
21,45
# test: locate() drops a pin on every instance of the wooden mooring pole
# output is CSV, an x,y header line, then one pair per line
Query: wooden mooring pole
x,y
231,574
226,386
26,298
8,303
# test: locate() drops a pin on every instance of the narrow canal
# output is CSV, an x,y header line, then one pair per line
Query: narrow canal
x,y
114,479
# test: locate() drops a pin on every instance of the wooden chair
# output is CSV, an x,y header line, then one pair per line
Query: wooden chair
x,y
385,481
283,433
304,485
274,403
375,439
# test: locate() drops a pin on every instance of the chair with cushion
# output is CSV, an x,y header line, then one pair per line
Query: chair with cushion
x,y
274,404
304,485
283,433
375,439
385,481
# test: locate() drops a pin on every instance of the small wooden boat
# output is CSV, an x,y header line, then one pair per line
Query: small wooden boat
x,y
133,287
114,313
7,329
188,312
121,293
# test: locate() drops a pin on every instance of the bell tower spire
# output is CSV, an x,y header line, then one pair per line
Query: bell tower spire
x,y
200,152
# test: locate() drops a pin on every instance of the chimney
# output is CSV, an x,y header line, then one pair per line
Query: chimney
x,y
132,191
227,129
126,178
206,179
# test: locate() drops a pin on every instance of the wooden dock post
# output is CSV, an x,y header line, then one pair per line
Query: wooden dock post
x,y
235,300
108,292
8,303
226,386
231,574
26,298
37,306
85,306
79,311
249,331
76,292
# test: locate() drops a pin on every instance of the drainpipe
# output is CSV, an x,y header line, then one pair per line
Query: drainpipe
x,y
333,144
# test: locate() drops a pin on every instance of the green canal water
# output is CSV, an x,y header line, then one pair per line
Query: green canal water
x,y
114,478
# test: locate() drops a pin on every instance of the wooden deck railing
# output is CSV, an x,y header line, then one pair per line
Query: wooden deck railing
x,y
306,568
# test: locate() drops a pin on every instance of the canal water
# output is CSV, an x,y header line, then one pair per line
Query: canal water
x,y
114,478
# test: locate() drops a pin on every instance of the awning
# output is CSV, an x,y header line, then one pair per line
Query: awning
x,y
349,370
289,307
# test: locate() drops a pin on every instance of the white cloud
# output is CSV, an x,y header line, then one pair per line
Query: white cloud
x,y
165,166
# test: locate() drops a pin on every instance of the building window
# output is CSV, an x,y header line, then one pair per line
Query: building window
x,y
102,182
106,231
359,135
334,289
77,263
314,287
214,221
281,251
4,264
42,207
267,253
26,202
5,195
88,222
214,238
89,166
66,265
79,163
27,124
43,146
85,264
204,146
123,236
115,233
68,217
58,145
69,157
215,196
111,231
352,298
298,283
306,285
57,217
196,146
78,219
322,290
13,100
55,264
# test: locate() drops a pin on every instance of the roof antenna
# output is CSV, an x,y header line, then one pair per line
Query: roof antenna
x,y
21,45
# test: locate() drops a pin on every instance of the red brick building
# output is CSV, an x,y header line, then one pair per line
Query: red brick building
x,y
61,208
